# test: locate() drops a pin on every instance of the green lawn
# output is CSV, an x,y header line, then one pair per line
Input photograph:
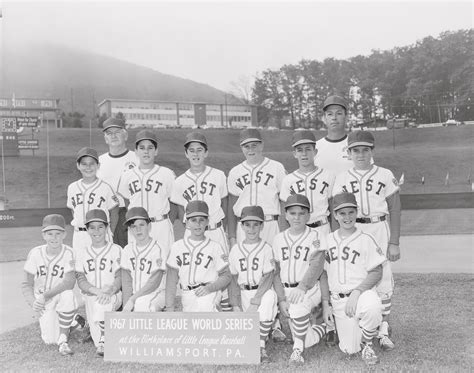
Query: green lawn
x,y
432,329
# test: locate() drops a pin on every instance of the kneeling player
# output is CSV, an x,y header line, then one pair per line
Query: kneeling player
x,y
354,267
143,266
48,284
98,275
251,267
198,264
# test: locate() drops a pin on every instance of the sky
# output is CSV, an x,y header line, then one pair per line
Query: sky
x,y
218,42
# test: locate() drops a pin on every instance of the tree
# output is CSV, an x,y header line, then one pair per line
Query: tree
x,y
242,89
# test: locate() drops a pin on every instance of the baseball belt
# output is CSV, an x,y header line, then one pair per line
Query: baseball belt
x,y
215,226
318,223
271,217
248,287
81,229
337,296
287,285
192,287
158,219
374,219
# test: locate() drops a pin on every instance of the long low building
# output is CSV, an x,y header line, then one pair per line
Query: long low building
x,y
166,114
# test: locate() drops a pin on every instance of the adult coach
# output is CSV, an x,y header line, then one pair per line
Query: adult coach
x,y
112,164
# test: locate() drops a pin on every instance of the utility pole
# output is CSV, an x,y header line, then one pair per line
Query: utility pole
x,y
72,102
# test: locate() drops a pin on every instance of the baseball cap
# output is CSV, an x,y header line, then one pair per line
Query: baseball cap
x,y
146,135
297,200
113,122
253,213
303,137
96,215
342,200
197,208
136,213
195,137
335,100
53,221
250,135
87,152
360,138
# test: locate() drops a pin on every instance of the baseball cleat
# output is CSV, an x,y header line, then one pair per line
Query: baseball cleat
x,y
296,357
278,336
331,338
368,354
64,349
264,359
78,323
100,348
386,344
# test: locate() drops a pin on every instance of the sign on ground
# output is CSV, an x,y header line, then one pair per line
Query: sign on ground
x,y
28,144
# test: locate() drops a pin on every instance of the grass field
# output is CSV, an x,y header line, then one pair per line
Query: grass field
x,y
431,328
429,152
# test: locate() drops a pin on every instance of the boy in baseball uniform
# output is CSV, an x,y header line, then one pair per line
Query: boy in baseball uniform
x,y
87,194
251,266
379,214
293,250
98,276
143,266
198,264
354,267
49,280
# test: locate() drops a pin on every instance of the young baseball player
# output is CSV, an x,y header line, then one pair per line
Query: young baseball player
x,y
354,267
250,264
143,266
198,264
377,194
149,186
98,275
293,250
49,280
87,194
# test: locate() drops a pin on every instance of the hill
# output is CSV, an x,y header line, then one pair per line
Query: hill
x,y
81,78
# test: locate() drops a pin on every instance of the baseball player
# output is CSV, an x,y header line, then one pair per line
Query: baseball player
x,y
198,264
251,266
354,267
87,194
113,163
49,280
98,275
149,186
143,262
379,214
293,250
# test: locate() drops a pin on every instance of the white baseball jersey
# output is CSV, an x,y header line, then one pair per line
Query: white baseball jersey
x,y
197,262
294,252
257,185
112,167
48,270
142,262
371,189
209,186
84,197
250,262
315,185
332,155
150,189
99,264
349,260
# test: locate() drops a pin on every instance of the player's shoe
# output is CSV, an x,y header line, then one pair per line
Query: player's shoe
x,y
78,323
278,336
264,359
368,354
331,338
100,348
64,349
385,343
296,357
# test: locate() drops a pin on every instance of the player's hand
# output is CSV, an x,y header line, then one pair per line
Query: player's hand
x,y
201,291
129,305
296,295
328,316
103,298
39,304
351,305
252,308
284,308
236,309
393,252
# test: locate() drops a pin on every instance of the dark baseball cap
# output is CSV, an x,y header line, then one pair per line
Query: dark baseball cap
x,y
96,215
250,135
297,200
342,200
53,222
87,152
146,135
113,122
303,137
197,208
195,137
252,213
136,213
335,100
360,138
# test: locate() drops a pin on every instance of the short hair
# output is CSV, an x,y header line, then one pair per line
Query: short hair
x,y
189,143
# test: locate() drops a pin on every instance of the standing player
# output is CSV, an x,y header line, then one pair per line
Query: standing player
x,y
354,267
87,194
49,280
377,194
143,263
98,275
293,250
113,164
250,264
149,186
198,264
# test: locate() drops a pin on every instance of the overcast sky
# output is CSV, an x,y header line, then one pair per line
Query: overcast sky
x,y
215,43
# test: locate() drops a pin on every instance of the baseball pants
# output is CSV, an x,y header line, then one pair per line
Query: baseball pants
x,y
268,306
207,303
95,312
153,302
